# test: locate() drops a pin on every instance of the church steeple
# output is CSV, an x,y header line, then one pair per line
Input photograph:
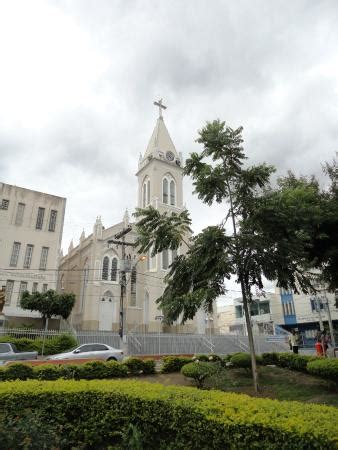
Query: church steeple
x,y
160,171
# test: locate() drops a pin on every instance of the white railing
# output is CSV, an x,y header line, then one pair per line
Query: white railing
x,y
162,343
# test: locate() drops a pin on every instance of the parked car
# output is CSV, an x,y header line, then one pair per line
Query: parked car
x,y
9,352
91,351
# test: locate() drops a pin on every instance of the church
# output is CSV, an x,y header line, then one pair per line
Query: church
x,y
92,269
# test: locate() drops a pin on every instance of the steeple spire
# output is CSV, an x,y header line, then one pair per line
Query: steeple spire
x,y
160,107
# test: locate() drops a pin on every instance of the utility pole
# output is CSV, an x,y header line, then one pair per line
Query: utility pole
x,y
327,307
119,239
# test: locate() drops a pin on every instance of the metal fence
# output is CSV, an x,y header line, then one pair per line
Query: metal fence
x,y
163,343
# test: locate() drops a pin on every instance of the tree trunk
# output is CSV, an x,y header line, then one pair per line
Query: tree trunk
x,y
250,338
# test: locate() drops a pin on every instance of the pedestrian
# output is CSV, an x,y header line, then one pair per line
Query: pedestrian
x,y
294,341
324,339
319,347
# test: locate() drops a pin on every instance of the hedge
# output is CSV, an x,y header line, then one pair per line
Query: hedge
x,y
289,360
91,370
55,344
174,363
325,368
97,414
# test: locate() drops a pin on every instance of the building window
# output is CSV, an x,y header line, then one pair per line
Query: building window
x,y
238,311
15,254
28,256
172,192
19,213
165,191
39,219
22,289
43,259
133,278
35,288
146,193
165,259
264,308
9,291
52,220
4,204
113,273
44,287
105,268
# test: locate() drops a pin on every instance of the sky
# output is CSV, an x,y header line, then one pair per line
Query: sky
x,y
78,79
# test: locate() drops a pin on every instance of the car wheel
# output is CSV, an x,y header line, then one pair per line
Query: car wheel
x,y
112,359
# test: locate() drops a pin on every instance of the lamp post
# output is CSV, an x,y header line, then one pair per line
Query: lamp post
x,y
160,319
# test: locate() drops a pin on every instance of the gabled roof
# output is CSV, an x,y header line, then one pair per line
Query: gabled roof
x,y
160,140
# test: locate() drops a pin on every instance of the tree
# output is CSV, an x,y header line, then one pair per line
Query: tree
x,y
48,304
253,249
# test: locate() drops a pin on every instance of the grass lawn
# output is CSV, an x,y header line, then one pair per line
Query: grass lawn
x,y
275,383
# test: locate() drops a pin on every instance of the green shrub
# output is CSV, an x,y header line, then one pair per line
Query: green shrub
x,y
203,358
47,372
199,371
149,367
18,371
241,360
93,370
115,369
96,414
55,344
294,362
134,365
214,358
324,367
174,363
270,358
70,371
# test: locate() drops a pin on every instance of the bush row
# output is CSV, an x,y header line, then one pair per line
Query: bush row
x,y
239,360
326,368
55,344
98,414
92,370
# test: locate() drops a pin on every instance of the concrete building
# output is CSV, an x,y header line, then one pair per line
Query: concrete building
x,y
282,309
91,269
31,225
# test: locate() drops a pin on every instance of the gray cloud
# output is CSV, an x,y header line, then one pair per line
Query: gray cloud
x,y
269,66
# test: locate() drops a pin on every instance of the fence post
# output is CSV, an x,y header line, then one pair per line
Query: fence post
x,y
44,337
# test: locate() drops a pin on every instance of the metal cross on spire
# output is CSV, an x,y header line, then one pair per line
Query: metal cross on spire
x,y
160,106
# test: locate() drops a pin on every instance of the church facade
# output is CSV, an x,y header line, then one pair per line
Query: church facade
x,y
92,269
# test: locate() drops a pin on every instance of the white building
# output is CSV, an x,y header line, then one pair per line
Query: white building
x,y
281,309
91,269
31,225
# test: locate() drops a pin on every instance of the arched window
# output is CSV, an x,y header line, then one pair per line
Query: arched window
x,y
146,308
172,192
113,273
165,259
105,268
148,192
62,282
107,297
144,195
165,191
133,287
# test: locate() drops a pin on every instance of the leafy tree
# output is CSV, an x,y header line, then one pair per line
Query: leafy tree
x,y
48,303
263,241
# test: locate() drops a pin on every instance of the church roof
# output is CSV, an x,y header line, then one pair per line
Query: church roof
x,y
160,140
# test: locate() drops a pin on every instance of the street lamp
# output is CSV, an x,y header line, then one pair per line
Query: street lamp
x,y
208,320
160,319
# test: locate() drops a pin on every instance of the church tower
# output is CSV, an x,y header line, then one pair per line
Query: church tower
x,y
160,176
160,171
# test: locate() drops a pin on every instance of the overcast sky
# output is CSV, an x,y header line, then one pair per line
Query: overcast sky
x,y
78,79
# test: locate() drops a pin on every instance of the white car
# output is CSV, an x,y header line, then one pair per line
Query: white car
x,y
91,351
